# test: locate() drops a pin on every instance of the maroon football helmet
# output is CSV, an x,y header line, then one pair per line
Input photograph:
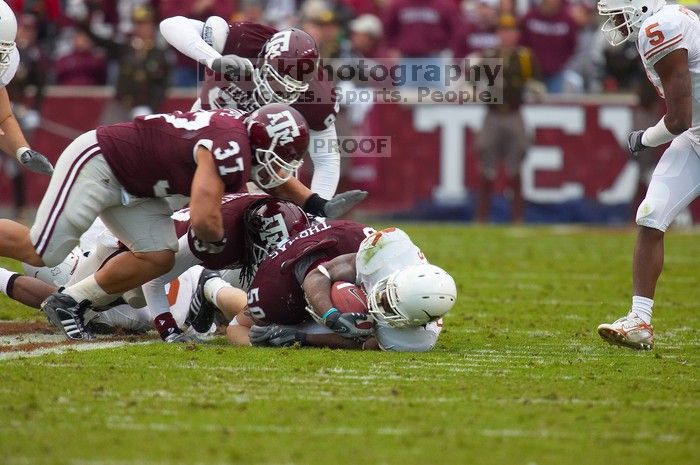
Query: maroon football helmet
x,y
268,222
286,64
279,137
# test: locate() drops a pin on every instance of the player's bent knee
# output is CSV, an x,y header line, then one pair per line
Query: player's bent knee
x,y
649,214
161,259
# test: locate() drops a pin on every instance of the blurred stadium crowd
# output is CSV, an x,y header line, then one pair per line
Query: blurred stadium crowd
x,y
116,42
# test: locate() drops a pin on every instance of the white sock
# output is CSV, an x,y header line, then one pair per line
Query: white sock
x,y
642,307
5,277
212,288
87,289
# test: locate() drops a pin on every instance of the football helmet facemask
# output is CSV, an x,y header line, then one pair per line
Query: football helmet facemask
x,y
625,17
285,66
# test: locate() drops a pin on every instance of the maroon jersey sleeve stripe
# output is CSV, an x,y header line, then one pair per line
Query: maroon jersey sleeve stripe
x,y
60,201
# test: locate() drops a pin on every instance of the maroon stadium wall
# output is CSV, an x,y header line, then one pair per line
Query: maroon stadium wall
x,y
577,169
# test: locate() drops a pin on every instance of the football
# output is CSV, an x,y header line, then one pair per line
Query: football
x,y
348,298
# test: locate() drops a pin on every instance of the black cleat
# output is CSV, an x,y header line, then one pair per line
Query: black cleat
x,y
67,314
202,312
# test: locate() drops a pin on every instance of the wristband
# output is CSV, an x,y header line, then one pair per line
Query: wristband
x,y
329,313
20,151
657,135
314,205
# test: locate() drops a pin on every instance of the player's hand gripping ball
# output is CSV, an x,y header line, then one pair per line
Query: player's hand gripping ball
x,y
351,302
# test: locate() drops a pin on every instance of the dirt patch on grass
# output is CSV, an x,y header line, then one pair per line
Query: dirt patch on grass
x,y
11,328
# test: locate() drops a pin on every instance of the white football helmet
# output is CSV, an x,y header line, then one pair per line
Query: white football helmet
x,y
625,17
412,296
8,32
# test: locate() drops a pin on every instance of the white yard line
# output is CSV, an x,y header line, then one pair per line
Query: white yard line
x,y
390,431
66,348
30,338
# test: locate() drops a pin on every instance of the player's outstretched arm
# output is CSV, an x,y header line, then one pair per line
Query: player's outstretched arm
x,y
205,204
12,141
313,204
324,154
185,35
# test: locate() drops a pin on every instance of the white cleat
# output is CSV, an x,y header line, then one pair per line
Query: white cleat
x,y
628,331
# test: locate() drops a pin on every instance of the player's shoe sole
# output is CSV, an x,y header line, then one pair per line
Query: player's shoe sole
x,y
615,337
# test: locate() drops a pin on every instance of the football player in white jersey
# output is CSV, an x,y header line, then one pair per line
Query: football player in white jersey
x,y
668,41
406,298
12,140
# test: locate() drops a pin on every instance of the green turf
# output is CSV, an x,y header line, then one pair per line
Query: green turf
x,y
518,377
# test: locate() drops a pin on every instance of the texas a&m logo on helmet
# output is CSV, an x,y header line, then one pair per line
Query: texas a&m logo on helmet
x,y
283,128
279,136
269,222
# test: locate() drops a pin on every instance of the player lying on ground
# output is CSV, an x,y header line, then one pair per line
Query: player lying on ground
x,y
407,295
12,141
262,65
123,172
668,40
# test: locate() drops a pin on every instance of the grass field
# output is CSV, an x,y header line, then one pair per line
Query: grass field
x,y
519,376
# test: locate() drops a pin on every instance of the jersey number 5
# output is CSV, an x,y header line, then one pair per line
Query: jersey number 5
x,y
655,37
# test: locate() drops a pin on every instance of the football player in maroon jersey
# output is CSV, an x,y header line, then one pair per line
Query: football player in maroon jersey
x,y
123,172
275,295
254,224
261,65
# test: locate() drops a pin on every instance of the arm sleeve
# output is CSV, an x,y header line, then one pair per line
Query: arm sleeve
x,y
186,36
326,160
11,69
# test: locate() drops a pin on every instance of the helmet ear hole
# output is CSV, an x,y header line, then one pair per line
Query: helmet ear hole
x,y
644,9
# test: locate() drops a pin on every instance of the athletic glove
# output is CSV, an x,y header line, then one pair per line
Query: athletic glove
x,y
634,143
34,161
232,66
350,325
275,335
336,207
